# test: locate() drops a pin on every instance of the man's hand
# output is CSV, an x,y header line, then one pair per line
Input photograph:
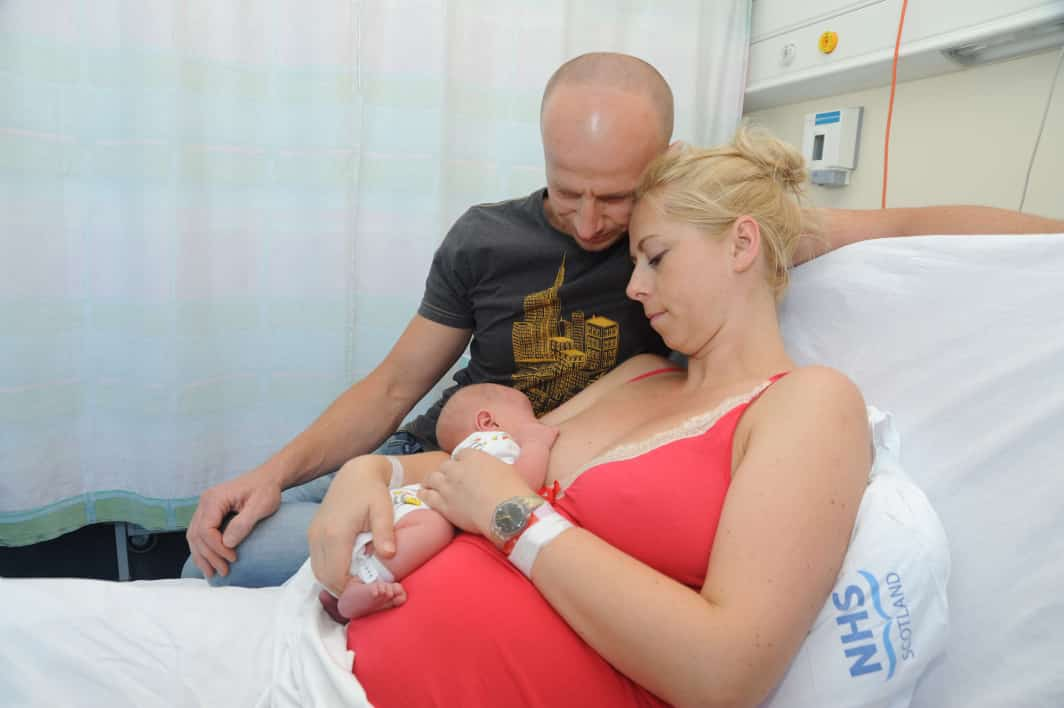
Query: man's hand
x,y
252,497
358,500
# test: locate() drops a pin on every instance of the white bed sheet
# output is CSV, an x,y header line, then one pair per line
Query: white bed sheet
x,y
961,338
171,643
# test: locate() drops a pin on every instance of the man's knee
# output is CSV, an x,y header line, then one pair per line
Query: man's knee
x,y
313,491
191,570
399,443
271,553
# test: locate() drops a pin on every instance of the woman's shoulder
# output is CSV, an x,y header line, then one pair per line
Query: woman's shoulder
x,y
818,381
815,417
820,392
643,364
637,368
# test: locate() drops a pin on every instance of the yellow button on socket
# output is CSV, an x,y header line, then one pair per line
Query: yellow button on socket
x,y
828,42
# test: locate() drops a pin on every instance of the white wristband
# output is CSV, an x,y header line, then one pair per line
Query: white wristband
x,y
370,570
397,473
548,525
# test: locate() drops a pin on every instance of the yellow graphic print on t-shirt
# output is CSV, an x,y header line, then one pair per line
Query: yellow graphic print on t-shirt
x,y
555,358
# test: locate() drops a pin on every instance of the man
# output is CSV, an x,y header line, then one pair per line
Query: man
x,y
537,283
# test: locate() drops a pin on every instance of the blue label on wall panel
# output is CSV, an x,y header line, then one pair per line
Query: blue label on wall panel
x,y
828,117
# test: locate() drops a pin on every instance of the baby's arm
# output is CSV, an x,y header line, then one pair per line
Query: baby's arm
x,y
418,536
535,440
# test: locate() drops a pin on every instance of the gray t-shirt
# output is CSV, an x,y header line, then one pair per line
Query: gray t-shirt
x,y
548,318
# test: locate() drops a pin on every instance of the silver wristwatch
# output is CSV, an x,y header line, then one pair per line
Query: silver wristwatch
x,y
511,517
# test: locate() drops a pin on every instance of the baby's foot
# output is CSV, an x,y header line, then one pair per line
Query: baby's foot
x,y
360,599
329,604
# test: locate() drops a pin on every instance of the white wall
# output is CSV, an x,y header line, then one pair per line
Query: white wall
x,y
959,138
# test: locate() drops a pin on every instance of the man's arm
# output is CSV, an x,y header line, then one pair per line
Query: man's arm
x,y
840,227
354,424
371,410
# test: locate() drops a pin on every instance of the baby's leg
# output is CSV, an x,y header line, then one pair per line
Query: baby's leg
x,y
418,536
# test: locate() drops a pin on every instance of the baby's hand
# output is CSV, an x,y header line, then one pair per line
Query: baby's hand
x,y
536,432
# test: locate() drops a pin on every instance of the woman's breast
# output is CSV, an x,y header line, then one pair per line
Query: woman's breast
x,y
598,429
577,445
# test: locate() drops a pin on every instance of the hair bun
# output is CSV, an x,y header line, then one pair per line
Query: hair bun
x,y
775,159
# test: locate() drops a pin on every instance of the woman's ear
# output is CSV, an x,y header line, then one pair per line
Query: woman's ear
x,y
676,147
485,420
745,243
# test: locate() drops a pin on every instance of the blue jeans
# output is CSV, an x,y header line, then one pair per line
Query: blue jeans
x,y
277,546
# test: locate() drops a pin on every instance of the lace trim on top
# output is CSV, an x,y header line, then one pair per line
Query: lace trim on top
x,y
692,427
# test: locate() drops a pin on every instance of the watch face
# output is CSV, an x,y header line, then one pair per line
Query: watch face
x,y
510,517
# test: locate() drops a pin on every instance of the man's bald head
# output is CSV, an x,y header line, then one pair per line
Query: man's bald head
x,y
604,118
617,72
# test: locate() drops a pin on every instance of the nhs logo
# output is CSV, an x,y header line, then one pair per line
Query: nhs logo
x,y
874,625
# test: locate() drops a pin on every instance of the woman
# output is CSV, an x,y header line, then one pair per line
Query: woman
x,y
712,506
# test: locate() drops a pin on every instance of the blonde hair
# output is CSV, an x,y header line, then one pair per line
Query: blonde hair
x,y
755,175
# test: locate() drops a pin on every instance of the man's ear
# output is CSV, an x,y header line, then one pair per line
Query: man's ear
x,y
745,243
485,420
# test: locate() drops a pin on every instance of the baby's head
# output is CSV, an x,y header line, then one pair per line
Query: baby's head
x,y
481,407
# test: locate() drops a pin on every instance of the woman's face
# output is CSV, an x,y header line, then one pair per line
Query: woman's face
x,y
680,276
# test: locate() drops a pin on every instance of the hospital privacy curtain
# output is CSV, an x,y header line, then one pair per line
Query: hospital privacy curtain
x,y
215,216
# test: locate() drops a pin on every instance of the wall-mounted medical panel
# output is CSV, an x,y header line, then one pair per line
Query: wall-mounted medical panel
x,y
829,145
821,48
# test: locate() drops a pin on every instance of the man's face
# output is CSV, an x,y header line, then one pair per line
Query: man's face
x,y
595,212
596,144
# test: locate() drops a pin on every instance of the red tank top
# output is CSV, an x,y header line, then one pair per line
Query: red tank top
x,y
475,632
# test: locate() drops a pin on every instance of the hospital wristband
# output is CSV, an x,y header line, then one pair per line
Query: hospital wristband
x,y
396,480
545,526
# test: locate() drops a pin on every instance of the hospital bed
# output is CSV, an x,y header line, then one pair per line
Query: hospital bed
x,y
961,338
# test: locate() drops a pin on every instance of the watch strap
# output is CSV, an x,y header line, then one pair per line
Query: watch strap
x,y
546,525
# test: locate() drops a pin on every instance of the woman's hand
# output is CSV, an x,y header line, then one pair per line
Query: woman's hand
x,y
357,501
467,489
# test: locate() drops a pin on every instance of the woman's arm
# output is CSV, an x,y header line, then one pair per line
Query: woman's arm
x,y
357,501
780,543
629,369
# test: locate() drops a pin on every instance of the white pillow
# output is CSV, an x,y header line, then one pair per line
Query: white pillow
x,y
886,618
